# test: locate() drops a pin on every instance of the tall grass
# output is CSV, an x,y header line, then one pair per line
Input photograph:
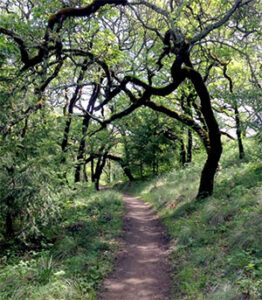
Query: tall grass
x,y
81,254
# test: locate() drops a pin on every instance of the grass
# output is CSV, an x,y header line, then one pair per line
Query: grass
x,y
74,264
216,245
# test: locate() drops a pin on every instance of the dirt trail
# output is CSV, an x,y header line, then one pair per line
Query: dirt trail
x,y
141,271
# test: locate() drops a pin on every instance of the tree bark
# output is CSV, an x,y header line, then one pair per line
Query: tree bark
x,y
239,132
92,170
81,150
182,152
215,145
189,146
65,139
128,173
99,169
9,225
85,173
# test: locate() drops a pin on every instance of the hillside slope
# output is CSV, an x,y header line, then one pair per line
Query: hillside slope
x,y
216,245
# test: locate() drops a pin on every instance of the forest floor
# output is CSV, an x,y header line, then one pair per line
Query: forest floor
x,y
141,270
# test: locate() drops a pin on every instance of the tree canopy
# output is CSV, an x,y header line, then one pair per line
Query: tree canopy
x,y
140,84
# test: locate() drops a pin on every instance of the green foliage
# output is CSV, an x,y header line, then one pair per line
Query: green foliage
x,y
36,207
146,149
216,244
80,256
31,190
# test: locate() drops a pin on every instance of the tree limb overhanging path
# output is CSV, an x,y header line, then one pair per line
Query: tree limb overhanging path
x,y
55,49
142,270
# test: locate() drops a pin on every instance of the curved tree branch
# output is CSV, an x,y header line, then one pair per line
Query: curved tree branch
x,y
183,118
56,19
219,23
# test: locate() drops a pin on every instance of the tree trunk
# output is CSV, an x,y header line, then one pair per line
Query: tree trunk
x,y
77,172
97,183
215,149
239,132
81,149
208,173
99,169
128,173
92,171
182,152
189,146
9,225
85,173
96,174
65,139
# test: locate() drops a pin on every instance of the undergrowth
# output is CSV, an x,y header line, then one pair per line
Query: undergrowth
x,y
216,245
79,255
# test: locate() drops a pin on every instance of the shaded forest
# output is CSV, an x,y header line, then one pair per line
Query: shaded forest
x,y
160,98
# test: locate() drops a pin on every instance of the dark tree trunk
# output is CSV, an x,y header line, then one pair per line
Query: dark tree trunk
x,y
92,170
128,173
9,225
77,172
215,149
99,169
189,146
79,164
182,152
208,173
211,139
65,139
97,183
239,132
96,174
81,149
85,173
188,110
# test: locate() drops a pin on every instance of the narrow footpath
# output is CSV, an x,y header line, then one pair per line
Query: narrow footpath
x,y
141,271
